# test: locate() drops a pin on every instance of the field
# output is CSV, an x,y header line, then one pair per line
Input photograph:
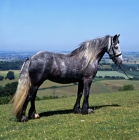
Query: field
x,y
116,117
103,86
54,89
98,86
111,73
4,73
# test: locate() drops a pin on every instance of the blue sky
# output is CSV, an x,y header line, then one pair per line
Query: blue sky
x,y
57,25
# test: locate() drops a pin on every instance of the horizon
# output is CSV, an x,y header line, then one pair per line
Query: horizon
x,y
62,25
55,51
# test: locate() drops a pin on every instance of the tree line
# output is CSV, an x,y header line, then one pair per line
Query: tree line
x,y
5,65
110,77
16,65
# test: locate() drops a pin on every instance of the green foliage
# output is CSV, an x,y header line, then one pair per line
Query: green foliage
x,y
1,78
37,98
5,100
4,73
1,91
114,77
116,74
134,78
126,88
8,90
46,98
1,87
10,75
10,65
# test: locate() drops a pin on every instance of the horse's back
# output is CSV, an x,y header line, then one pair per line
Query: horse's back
x,y
59,68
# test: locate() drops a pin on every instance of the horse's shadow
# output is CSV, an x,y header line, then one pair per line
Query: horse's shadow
x,y
68,111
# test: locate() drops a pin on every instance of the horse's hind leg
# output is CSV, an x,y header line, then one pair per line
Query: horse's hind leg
x,y
32,111
21,116
76,108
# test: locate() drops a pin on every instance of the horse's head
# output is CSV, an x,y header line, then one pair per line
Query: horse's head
x,y
114,50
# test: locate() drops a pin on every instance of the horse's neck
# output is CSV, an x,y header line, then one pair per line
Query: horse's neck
x,y
100,55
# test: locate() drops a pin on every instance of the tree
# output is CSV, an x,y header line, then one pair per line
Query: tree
x,y
9,89
10,75
1,91
126,88
1,78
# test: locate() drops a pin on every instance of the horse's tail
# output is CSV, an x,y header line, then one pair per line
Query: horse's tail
x,y
22,90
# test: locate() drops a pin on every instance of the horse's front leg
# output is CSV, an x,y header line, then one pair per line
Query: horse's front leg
x,y
76,108
85,106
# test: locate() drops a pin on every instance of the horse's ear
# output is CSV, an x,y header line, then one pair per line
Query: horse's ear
x,y
115,38
118,35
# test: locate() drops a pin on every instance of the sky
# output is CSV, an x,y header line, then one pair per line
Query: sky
x,y
61,25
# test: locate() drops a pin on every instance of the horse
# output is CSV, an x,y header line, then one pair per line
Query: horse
x,y
80,66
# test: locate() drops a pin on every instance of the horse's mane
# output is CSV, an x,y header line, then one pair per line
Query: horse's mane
x,y
90,49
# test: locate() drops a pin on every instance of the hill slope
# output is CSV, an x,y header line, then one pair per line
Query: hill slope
x,y
116,117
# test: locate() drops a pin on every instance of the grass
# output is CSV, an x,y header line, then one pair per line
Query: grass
x,y
4,73
102,86
116,117
111,73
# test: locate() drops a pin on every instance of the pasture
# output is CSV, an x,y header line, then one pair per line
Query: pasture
x,y
4,73
111,73
102,86
49,88
116,117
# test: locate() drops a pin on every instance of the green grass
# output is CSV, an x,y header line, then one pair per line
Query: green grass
x,y
109,122
111,73
4,73
5,81
102,86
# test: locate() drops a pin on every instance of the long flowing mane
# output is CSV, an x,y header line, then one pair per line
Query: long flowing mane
x,y
90,49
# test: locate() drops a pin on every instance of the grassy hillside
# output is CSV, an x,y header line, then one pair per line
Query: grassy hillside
x,y
4,73
103,86
111,73
116,117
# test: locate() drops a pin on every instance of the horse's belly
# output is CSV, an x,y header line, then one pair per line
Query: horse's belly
x,y
65,79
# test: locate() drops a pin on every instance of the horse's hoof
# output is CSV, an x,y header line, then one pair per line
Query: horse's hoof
x,y
90,110
84,111
36,116
87,111
77,110
22,119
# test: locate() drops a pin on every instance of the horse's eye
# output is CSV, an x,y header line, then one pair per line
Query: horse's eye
x,y
115,47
